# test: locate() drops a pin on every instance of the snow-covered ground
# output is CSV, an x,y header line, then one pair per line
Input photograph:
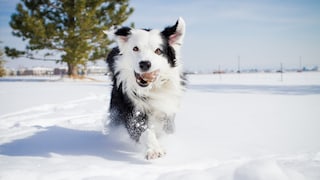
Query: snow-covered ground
x,y
230,127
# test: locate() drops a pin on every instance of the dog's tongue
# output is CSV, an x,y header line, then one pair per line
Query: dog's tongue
x,y
150,76
144,79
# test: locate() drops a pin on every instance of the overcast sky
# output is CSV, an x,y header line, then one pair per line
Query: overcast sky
x,y
263,33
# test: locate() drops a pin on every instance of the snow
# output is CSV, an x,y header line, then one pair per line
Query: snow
x,y
230,127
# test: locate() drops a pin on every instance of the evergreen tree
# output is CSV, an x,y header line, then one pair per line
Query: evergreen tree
x,y
73,27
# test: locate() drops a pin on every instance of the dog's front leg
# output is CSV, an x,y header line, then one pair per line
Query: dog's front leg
x,y
153,148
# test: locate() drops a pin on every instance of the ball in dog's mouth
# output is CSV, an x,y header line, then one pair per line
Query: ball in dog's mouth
x,y
144,79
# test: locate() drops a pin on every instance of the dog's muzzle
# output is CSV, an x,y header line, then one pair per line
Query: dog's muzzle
x,y
144,79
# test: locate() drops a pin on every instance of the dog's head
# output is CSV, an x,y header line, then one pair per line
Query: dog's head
x,y
150,53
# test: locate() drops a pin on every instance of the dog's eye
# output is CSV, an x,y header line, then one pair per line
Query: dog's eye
x,y
135,48
158,51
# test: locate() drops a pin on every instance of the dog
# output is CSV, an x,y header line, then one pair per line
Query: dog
x,y
148,82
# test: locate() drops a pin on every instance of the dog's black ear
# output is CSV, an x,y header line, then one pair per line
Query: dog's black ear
x,y
121,35
174,34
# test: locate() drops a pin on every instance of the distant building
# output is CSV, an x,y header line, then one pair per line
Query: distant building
x,y
42,71
24,72
97,70
313,68
36,71
60,71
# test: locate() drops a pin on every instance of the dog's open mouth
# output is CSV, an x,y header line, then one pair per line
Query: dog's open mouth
x,y
144,79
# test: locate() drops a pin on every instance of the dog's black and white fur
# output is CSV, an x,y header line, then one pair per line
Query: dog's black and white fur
x,y
147,82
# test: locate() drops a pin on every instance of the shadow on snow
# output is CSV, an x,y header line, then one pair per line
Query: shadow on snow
x,y
65,141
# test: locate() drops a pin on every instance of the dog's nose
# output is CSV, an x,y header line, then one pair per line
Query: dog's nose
x,y
144,65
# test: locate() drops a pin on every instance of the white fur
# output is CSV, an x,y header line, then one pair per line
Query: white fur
x,y
164,93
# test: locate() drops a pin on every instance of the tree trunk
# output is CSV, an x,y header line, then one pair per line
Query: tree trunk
x,y
73,71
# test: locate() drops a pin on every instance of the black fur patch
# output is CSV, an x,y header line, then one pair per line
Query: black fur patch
x,y
168,31
147,29
169,53
168,50
124,31
111,58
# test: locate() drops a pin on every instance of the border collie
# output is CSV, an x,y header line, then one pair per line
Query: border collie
x,y
147,82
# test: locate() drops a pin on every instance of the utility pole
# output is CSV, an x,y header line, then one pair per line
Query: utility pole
x,y
219,72
300,64
281,71
238,65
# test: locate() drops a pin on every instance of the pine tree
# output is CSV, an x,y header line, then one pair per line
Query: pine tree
x,y
73,27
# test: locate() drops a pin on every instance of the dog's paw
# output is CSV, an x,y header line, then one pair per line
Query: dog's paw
x,y
154,153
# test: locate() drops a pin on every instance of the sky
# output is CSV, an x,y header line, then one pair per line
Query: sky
x,y
259,34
